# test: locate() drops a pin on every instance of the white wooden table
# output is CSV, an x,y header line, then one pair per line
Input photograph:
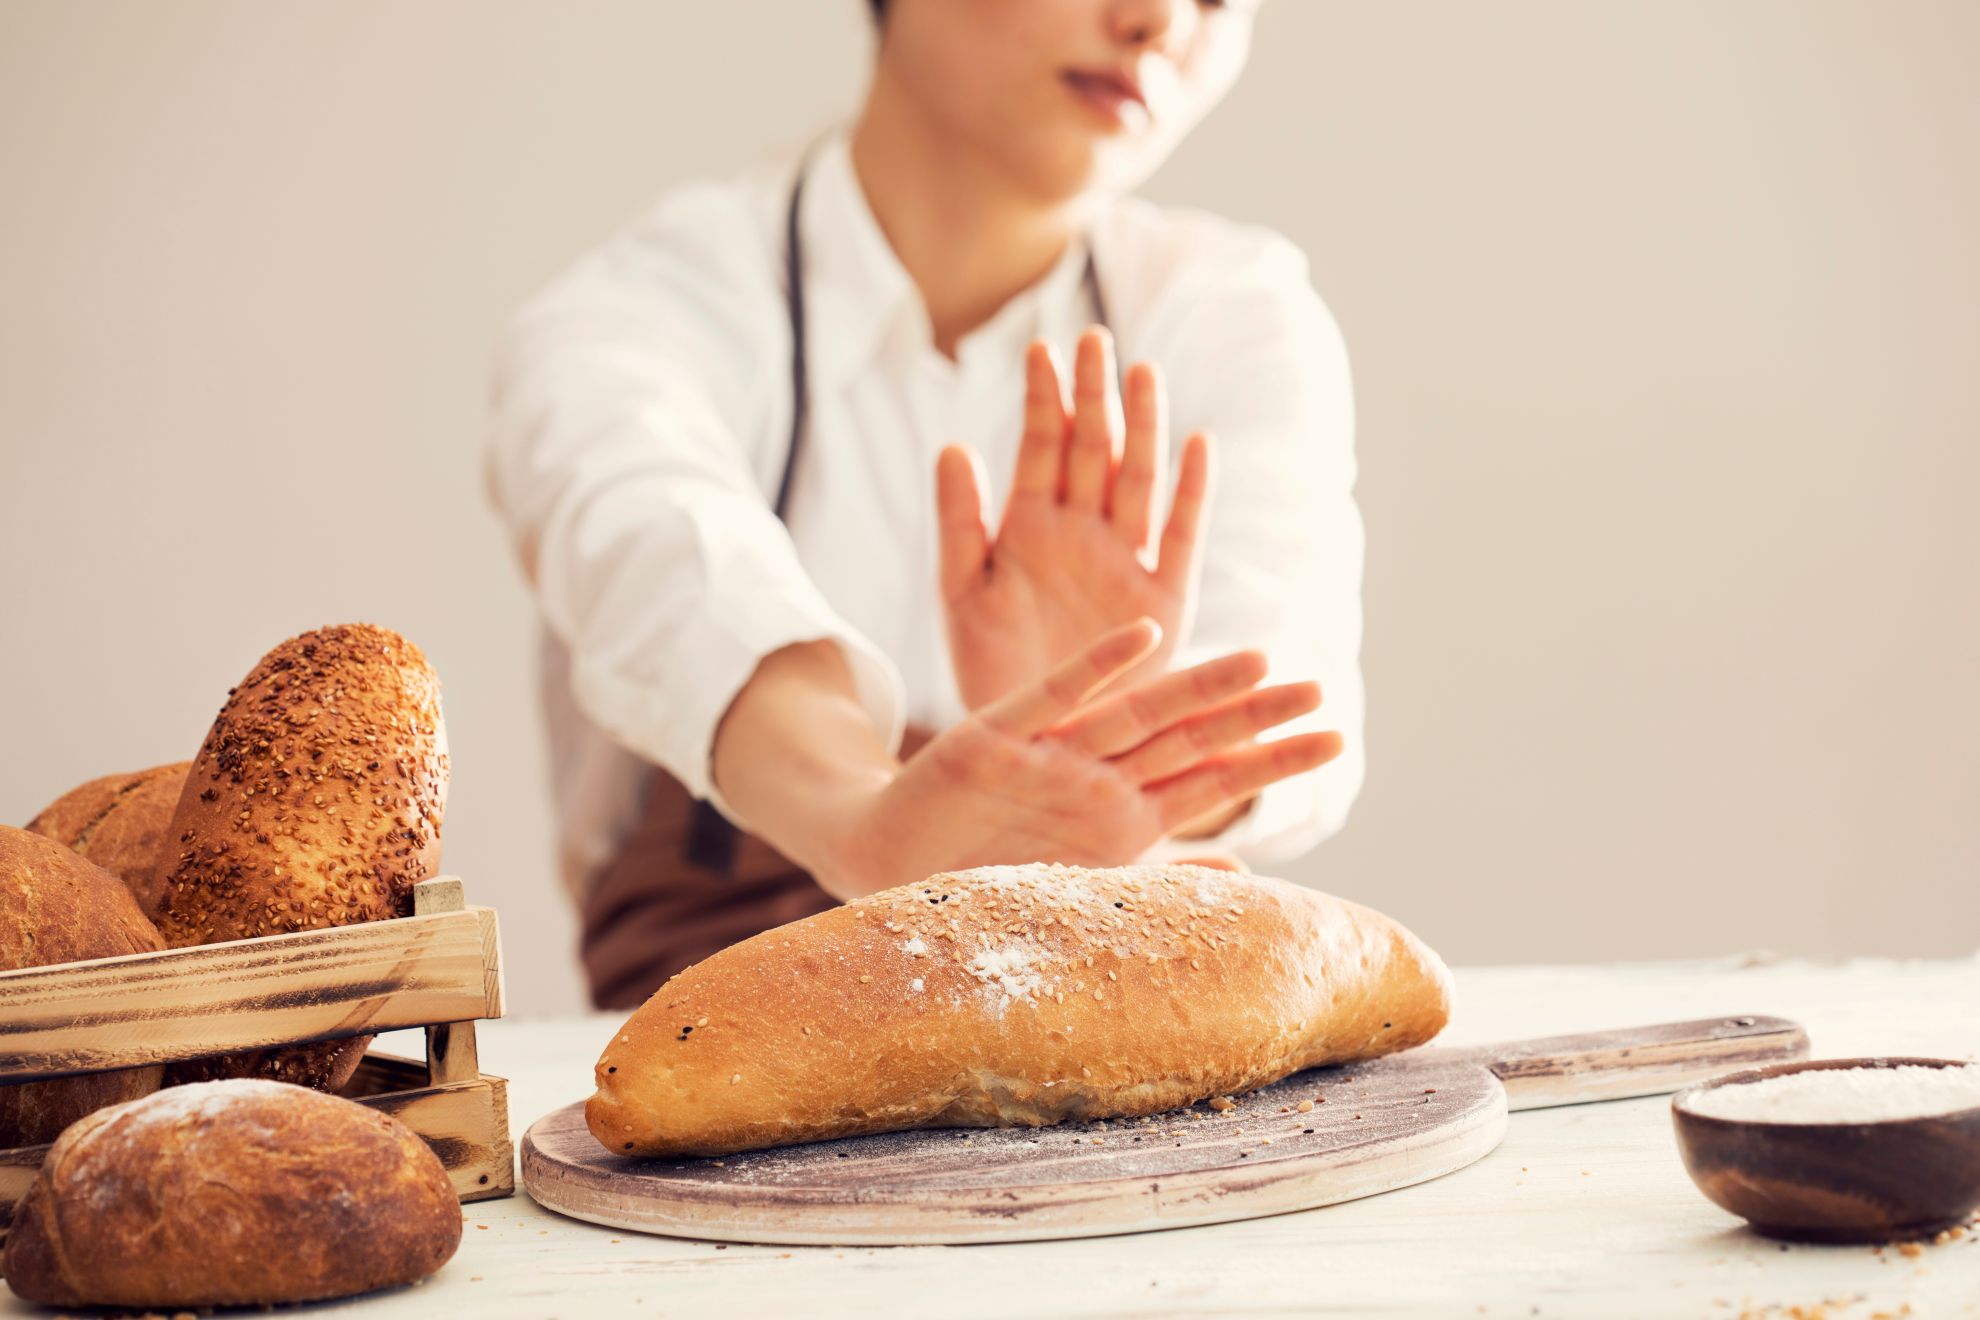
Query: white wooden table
x,y
1582,1212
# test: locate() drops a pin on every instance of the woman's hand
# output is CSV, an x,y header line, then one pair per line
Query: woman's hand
x,y
1076,553
1052,773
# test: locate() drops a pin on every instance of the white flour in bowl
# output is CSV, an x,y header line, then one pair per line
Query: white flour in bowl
x,y
1844,1095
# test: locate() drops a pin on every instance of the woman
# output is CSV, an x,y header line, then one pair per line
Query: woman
x,y
712,442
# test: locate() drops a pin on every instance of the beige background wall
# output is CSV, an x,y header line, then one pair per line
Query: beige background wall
x,y
1665,316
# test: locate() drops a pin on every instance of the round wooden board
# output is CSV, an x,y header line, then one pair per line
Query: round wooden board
x,y
1374,1127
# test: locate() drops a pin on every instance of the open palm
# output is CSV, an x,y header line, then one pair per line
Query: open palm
x,y
1073,767
1076,553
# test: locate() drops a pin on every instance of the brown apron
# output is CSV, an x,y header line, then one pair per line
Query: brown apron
x,y
664,902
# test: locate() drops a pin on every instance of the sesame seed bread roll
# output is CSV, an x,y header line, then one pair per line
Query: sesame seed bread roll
x,y
58,907
1011,996
315,801
120,822
237,1193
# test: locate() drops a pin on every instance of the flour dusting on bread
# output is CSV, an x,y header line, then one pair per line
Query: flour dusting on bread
x,y
1008,974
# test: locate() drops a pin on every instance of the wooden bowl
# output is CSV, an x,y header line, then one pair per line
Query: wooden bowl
x,y
1835,1182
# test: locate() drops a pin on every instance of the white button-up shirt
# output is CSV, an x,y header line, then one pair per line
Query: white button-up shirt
x,y
642,407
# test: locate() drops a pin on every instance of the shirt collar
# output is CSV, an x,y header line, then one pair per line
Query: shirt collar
x,y
859,298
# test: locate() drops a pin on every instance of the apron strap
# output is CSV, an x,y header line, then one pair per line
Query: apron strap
x,y
711,837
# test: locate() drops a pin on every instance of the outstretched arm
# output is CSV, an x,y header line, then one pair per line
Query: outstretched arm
x,y
1054,771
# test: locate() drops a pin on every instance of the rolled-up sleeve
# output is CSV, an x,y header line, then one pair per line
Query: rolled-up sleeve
x,y
1258,361
621,464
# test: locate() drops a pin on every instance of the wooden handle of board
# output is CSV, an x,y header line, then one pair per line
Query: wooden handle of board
x,y
1615,1065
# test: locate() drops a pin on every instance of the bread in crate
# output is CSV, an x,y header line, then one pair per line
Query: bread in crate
x,y
305,825
315,801
120,822
57,907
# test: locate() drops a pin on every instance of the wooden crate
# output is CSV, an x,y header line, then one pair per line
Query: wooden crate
x,y
440,969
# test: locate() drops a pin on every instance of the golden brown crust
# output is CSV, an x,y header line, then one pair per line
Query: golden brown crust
x,y
55,907
120,822
1011,996
238,1193
315,801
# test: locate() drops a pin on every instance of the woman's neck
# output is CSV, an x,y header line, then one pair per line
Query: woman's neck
x,y
968,236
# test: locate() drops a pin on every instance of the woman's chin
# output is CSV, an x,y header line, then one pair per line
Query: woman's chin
x,y
1076,163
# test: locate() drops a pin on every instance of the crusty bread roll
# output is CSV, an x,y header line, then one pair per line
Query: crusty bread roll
x,y
1011,995
236,1193
55,907
315,801
120,822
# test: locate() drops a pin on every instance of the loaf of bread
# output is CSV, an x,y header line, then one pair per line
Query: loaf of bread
x,y
1011,996
120,822
315,801
235,1193
55,907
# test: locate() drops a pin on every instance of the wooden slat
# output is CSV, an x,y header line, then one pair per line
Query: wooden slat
x,y
467,1125
249,994
17,1169
465,1122
451,1055
443,893
378,1074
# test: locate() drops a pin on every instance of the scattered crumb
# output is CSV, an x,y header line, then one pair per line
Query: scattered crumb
x,y
1829,1308
1223,1104
1306,1106
1910,1250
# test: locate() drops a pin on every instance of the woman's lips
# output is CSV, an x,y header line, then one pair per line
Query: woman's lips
x,y
1109,95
